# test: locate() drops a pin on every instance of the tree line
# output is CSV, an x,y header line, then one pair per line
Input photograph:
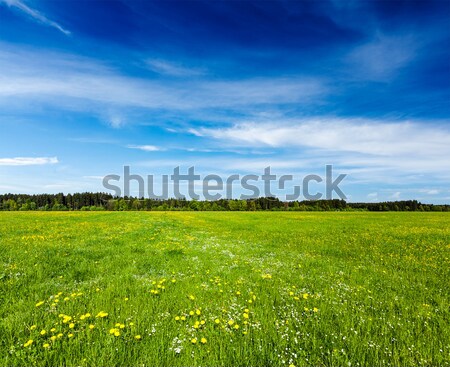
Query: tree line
x,y
89,201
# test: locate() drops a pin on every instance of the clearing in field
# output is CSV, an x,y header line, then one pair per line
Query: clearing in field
x,y
222,289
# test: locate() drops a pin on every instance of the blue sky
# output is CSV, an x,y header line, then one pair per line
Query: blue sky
x,y
87,87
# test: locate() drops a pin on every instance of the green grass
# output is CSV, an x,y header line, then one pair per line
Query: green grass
x,y
321,289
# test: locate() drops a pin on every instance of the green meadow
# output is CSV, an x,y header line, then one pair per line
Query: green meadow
x,y
224,289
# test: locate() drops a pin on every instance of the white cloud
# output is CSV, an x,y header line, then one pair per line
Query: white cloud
x,y
36,15
382,57
395,195
169,68
27,161
145,148
71,82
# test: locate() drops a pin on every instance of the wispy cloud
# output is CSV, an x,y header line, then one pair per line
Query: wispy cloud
x,y
145,148
173,69
36,15
27,161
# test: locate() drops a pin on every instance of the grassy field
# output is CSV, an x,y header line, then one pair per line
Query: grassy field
x,y
248,289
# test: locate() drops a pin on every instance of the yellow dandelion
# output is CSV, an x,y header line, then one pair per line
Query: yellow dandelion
x,y
183,318
39,304
71,325
91,326
315,309
177,318
46,345
230,322
53,338
245,315
194,341
191,313
33,327
236,326
28,343
217,321
137,337
203,340
43,332
70,335
198,312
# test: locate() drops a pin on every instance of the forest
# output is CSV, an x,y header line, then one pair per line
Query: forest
x,y
89,201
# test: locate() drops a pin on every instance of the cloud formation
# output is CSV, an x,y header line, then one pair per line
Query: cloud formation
x,y
28,161
35,15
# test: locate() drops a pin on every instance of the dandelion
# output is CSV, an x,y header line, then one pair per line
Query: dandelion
x,y
46,345
28,343
217,321
191,297
53,338
177,318
52,329
126,299
59,336
39,304
203,340
33,327
198,312
91,327
182,318
315,309
245,315
71,325
70,335
191,313
137,337
43,332
102,314
236,326
230,322
194,341
305,295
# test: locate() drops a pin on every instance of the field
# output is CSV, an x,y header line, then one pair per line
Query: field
x,y
224,288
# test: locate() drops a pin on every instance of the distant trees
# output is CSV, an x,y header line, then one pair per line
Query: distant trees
x,y
101,201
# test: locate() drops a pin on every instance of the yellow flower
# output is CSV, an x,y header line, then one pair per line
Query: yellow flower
x,y
238,293
53,338
194,341
33,327
43,332
126,299
102,314
191,313
183,318
52,329
40,303
245,315
292,365
70,335
91,326
117,333
305,295
46,345
202,322
231,322
28,343
246,310
191,297
177,318
217,321
71,325
198,312
138,337
203,340
236,326
315,309
60,335
131,324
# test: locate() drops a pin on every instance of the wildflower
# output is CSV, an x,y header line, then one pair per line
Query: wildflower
x,y
217,321
194,341
315,309
102,314
238,293
292,365
131,324
231,322
91,327
52,329
39,304
28,343
236,326
191,313
71,325
203,340
66,299
306,309
46,345
70,335
43,332
191,297
137,337
177,318
126,299
182,318
53,338
246,310
245,315
198,312
305,295
33,327
59,336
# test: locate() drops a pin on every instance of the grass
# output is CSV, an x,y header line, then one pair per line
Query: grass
x,y
278,289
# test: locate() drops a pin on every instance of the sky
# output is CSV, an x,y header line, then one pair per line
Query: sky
x,y
229,87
